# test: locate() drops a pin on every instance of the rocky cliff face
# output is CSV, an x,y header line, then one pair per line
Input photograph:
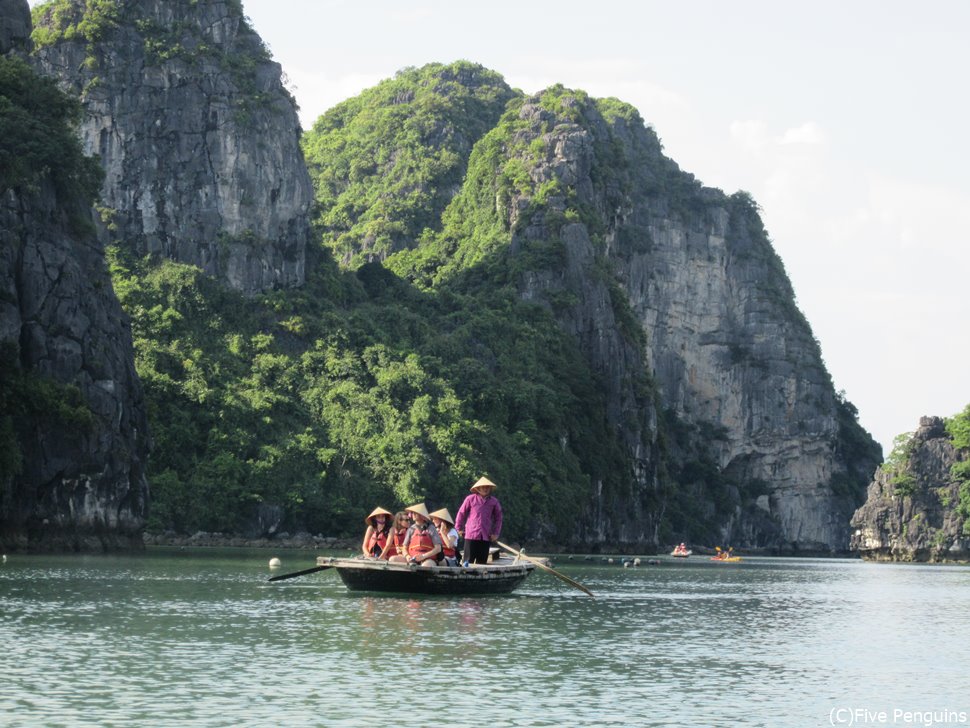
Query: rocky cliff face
x,y
197,135
14,25
911,511
73,433
663,280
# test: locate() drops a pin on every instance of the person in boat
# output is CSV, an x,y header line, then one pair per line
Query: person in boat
x,y
724,555
375,537
422,543
445,524
395,538
479,521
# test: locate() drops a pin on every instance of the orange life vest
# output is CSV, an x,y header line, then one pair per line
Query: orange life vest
x,y
377,541
397,541
446,550
420,542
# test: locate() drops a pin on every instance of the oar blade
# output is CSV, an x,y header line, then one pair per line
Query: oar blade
x,y
552,571
295,574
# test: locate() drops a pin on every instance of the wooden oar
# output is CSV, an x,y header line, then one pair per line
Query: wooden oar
x,y
541,565
300,573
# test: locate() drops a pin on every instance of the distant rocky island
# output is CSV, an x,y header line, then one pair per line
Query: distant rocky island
x,y
260,331
918,505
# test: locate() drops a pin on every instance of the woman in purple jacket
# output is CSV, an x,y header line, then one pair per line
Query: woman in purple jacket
x,y
479,521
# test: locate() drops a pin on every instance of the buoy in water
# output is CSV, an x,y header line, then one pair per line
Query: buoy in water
x,y
636,561
275,563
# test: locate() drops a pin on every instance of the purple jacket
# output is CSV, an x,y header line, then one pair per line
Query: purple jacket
x,y
479,518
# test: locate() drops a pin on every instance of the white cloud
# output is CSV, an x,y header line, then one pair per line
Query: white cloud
x,y
807,133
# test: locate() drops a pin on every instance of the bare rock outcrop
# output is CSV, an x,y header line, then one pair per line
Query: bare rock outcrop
x,y
672,285
198,136
73,427
911,511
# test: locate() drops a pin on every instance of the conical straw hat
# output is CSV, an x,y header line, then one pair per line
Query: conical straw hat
x,y
419,508
377,512
444,515
483,482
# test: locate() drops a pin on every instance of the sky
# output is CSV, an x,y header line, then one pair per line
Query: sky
x,y
848,122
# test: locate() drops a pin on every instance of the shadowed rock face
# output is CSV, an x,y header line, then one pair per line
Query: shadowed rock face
x,y
82,485
197,135
919,522
14,25
71,398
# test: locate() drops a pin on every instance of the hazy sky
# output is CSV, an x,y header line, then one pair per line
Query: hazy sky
x,y
848,121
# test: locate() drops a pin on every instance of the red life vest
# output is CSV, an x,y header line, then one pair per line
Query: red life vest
x,y
377,539
397,541
420,542
446,550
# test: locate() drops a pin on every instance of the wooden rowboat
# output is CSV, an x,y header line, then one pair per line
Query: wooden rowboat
x,y
363,574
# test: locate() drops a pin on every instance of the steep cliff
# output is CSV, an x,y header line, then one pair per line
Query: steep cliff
x,y
198,137
671,287
14,26
918,504
73,433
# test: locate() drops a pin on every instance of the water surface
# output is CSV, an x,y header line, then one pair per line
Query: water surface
x,y
175,638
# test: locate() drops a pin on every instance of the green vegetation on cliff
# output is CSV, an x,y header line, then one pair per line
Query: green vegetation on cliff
x,y
38,135
353,391
387,162
958,428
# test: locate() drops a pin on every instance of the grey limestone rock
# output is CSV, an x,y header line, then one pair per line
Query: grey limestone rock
x,y
197,134
918,521
14,26
82,483
723,341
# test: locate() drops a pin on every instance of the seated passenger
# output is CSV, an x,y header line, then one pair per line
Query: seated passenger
x,y
445,524
375,537
422,544
395,539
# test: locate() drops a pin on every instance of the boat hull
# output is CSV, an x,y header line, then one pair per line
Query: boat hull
x,y
381,576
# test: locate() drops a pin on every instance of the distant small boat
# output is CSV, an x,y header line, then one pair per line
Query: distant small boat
x,y
726,559
677,553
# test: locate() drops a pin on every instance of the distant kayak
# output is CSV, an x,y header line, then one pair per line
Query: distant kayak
x,y
726,559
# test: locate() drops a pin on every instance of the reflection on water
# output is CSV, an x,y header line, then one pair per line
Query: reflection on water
x,y
178,638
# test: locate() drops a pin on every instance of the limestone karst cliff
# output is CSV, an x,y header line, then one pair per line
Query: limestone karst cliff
x,y
73,430
913,510
198,137
714,381
725,344
569,307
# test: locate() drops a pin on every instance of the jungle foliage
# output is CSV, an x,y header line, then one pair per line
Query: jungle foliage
x,y
38,136
353,391
387,162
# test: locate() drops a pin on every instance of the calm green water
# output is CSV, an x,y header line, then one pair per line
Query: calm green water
x,y
175,638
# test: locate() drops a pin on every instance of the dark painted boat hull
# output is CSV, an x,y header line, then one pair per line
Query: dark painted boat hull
x,y
371,575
